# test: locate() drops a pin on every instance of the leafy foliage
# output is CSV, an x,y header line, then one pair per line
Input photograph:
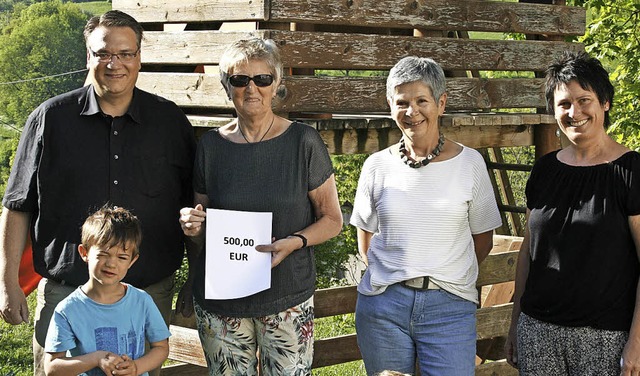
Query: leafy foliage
x,y
41,40
8,145
613,36
332,255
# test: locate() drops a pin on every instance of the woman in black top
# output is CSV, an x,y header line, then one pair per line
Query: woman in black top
x,y
261,162
575,310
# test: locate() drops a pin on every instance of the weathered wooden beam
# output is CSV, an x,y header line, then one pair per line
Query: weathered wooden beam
x,y
496,368
498,268
437,14
367,141
184,346
184,369
493,321
344,94
463,15
512,208
167,11
335,350
335,301
368,135
509,166
357,51
505,243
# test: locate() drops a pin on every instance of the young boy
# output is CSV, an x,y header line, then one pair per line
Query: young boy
x,y
103,324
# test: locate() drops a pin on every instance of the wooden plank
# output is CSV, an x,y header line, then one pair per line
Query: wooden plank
x,y
184,346
505,243
425,14
437,14
509,166
344,94
500,367
493,321
161,11
335,350
334,301
366,136
367,141
184,370
500,293
190,47
498,268
356,51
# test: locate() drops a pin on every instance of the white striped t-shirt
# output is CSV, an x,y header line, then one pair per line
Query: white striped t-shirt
x,y
422,220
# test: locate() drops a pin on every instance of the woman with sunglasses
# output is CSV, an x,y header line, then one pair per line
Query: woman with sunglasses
x,y
262,162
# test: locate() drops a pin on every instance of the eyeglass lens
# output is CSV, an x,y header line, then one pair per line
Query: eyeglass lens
x,y
241,80
122,56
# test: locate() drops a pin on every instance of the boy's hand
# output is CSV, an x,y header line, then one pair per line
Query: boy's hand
x,y
108,362
126,367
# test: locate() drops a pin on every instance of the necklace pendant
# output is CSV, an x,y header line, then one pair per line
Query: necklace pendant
x,y
406,159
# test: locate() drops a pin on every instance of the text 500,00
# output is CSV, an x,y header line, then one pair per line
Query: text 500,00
x,y
237,241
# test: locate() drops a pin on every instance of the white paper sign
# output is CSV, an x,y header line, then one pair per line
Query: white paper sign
x,y
234,269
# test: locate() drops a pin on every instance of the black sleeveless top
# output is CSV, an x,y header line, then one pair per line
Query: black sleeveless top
x,y
584,266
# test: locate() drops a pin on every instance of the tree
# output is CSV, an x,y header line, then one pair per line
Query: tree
x,y
332,255
42,40
613,36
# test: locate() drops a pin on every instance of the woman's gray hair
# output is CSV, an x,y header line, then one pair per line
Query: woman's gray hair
x,y
241,51
412,68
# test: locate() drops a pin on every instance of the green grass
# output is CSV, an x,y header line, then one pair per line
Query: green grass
x,y
335,326
96,8
15,345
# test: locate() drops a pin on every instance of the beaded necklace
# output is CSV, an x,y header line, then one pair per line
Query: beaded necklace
x,y
404,154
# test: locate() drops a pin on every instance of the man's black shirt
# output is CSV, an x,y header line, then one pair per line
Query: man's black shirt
x,y
72,159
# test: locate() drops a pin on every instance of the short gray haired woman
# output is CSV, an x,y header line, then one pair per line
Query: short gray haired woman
x,y
262,162
425,213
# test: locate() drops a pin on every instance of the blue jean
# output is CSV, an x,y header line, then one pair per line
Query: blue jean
x,y
435,326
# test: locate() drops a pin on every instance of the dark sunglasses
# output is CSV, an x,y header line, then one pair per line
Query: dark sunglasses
x,y
241,80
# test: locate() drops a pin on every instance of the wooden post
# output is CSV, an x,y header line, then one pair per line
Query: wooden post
x,y
544,135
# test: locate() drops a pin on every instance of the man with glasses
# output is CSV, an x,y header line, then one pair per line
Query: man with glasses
x,y
107,142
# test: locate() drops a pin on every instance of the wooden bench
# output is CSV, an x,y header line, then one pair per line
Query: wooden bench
x,y
495,280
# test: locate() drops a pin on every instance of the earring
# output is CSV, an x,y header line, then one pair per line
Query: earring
x,y
558,133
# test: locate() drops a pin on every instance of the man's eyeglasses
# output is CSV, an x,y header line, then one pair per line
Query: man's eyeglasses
x,y
105,57
241,80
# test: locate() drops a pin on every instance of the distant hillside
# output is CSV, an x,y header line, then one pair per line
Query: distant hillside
x,y
94,7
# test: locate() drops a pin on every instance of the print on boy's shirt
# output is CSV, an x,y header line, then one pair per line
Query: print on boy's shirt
x,y
107,339
130,343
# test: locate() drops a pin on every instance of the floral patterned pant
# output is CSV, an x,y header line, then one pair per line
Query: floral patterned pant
x,y
283,342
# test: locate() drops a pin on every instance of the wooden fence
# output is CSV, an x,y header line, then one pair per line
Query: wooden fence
x,y
495,281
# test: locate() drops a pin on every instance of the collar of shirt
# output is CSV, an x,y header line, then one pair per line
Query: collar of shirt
x,y
92,107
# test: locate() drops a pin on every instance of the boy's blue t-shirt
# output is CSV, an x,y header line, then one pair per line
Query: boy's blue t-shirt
x,y
80,325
